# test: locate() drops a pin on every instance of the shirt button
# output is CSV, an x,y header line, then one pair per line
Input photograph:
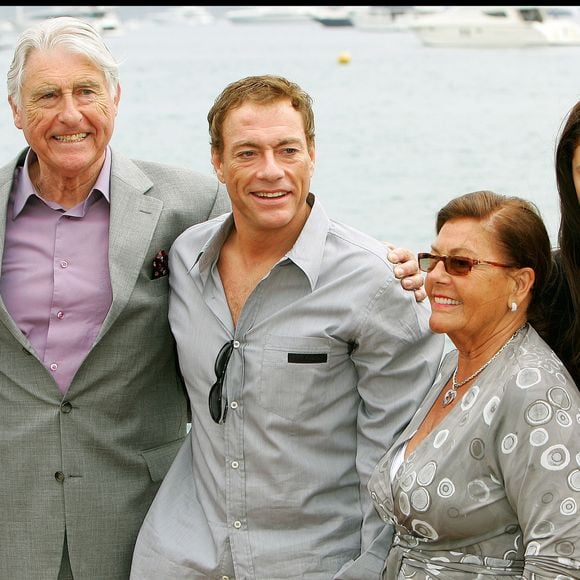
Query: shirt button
x,y
225,578
237,524
236,344
235,464
60,314
53,366
234,405
63,264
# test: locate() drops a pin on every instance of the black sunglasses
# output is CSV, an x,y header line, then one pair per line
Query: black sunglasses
x,y
454,265
216,409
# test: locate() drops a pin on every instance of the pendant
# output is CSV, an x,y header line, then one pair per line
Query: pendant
x,y
449,397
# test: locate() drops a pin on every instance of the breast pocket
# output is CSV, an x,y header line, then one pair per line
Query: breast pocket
x,y
158,286
296,374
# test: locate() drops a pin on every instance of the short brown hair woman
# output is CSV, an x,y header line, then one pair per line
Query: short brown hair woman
x,y
485,480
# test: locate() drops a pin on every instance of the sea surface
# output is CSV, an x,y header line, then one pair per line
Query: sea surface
x,y
400,129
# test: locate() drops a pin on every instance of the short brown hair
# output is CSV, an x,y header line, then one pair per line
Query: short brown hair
x,y
259,89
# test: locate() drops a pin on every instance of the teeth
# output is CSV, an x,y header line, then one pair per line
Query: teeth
x,y
270,195
448,301
71,138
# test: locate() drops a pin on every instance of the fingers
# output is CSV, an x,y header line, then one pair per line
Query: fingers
x,y
405,263
420,295
401,255
412,282
407,270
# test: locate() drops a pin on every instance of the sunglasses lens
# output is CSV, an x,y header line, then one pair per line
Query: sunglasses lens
x,y
426,262
222,359
459,266
215,393
215,401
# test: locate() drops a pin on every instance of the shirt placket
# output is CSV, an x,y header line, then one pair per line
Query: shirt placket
x,y
235,465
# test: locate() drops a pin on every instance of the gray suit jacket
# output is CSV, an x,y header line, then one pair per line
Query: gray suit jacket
x,y
90,462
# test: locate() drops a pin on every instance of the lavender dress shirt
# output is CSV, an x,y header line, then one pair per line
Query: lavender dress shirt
x,y
55,279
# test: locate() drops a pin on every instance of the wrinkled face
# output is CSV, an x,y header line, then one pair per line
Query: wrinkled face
x,y
67,114
266,166
469,307
576,170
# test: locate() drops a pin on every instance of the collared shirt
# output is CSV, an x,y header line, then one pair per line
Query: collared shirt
x,y
55,274
330,358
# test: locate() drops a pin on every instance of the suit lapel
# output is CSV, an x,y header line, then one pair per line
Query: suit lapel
x,y
134,217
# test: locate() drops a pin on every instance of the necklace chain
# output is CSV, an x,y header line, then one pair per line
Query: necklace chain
x,y
451,393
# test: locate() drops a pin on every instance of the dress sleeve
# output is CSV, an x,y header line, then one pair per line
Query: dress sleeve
x,y
538,451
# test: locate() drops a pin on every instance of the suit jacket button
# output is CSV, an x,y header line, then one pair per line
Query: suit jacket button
x,y
59,476
66,407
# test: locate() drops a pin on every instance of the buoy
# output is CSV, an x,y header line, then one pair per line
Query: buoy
x,y
343,58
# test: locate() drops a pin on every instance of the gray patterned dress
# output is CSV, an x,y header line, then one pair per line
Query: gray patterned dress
x,y
494,490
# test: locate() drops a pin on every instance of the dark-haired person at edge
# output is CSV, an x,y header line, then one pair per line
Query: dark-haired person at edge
x,y
485,479
562,328
92,405
312,359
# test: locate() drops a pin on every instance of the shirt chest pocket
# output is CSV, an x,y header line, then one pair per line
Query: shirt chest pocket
x,y
297,374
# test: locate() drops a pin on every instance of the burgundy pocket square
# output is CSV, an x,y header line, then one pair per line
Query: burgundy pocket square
x,y
160,264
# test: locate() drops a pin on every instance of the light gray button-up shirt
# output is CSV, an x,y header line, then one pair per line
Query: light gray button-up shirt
x,y
331,357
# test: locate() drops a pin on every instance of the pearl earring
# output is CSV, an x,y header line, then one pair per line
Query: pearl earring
x,y
514,307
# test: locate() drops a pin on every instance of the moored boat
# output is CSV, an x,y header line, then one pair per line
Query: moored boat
x,y
498,27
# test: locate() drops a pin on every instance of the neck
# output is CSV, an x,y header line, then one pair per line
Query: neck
x,y
67,192
451,393
474,349
458,383
268,244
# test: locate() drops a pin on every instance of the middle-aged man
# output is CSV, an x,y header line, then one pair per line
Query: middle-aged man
x,y
92,406
311,360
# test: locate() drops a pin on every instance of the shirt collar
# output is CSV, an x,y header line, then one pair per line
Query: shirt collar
x,y
309,248
306,253
25,189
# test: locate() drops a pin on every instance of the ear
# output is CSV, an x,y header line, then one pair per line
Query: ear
x,y
312,153
217,163
15,113
117,98
523,283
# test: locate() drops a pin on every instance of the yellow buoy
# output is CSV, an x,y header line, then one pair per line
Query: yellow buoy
x,y
343,57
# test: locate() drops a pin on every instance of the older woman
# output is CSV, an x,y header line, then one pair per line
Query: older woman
x,y
485,480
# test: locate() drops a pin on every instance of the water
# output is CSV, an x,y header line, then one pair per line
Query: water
x,y
401,129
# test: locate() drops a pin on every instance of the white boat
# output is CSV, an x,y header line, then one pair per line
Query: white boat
x,y
499,26
190,15
336,16
269,14
104,18
390,18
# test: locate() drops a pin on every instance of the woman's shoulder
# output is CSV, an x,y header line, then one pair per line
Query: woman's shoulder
x,y
537,372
